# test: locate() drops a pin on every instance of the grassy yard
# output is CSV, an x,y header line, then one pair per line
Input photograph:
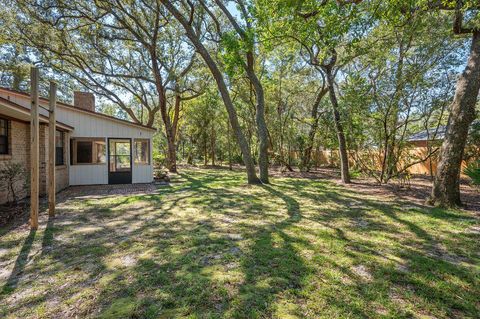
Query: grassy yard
x,y
210,246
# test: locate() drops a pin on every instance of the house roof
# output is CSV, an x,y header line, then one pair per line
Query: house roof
x,y
428,135
24,110
71,107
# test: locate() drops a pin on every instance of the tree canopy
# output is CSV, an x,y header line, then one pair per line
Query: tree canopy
x,y
295,84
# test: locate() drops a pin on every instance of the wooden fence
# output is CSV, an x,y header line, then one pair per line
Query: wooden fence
x,y
413,158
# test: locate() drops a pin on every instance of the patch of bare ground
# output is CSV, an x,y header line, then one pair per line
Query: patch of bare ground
x,y
415,193
9,213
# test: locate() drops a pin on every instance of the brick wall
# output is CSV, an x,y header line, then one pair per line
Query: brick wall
x,y
61,172
43,158
19,151
84,100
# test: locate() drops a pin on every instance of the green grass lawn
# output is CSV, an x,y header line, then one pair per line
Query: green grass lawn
x,y
212,247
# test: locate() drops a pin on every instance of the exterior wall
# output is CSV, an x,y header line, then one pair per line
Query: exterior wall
x,y
20,153
61,171
94,126
142,173
88,174
43,159
90,126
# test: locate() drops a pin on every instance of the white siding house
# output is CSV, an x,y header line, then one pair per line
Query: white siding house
x,y
99,149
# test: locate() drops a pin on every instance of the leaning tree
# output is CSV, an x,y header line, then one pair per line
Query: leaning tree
x,y
189,16
446,186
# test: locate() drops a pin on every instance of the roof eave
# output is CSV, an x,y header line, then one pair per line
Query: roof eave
x,y
71,107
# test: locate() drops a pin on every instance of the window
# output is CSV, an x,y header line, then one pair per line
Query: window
x,y
88,151
59,148
3,136
142,154
84,152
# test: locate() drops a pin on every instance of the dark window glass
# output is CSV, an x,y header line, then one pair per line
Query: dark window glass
x,y
3,136
59,147
88,151
84,152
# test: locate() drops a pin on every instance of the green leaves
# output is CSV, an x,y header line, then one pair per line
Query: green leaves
x,y
233,51
473,171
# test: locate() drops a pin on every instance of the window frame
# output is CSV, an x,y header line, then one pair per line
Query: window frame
x,y
7,136
62,137
92,140
135,140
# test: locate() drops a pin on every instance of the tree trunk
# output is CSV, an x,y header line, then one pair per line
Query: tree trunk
x,y
446,186
342,145
249,67
172,153
169,126
262,135
259,119
392,153
230,167
205,150
222,87
212,144
307,155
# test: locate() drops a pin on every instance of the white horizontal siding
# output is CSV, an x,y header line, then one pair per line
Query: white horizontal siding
x,y
142,173
88,174
89,125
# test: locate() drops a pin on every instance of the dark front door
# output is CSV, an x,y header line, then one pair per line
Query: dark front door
x,y
119,161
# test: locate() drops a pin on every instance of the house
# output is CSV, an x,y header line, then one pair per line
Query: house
x,y
422,144
91,147
423,138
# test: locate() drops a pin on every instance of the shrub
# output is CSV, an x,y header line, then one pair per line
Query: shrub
x,y
473,171
10,174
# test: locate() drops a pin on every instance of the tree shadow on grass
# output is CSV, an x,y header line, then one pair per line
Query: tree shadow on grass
x,y
199,257
298,249
20,263
48,235
274,274
272,267
414,269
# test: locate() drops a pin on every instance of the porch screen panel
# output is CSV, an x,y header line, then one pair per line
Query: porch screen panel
x,y
142,151
120,156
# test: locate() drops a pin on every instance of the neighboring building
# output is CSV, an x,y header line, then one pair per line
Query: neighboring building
x,y
421,139
91,148
423,142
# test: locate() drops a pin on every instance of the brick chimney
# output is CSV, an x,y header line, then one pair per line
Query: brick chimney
x,y
84,100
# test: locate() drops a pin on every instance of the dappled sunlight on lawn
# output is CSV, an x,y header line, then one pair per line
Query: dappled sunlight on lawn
x,y
211,246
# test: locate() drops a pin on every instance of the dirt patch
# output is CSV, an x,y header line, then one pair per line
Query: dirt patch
x,y
416,193
362,272
9,213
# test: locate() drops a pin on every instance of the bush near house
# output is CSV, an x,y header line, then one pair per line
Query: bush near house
x,y
10,175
